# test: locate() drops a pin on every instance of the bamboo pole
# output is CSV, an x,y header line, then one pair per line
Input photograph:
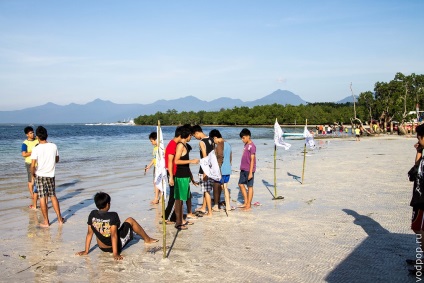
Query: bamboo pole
x,y
304,154
275,171
163,199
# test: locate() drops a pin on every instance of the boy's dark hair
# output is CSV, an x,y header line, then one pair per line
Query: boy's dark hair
x,y
101,199
196,128
178,132
188,126
245,132
41,133
185,132
153,136
28,129
420,130
215,134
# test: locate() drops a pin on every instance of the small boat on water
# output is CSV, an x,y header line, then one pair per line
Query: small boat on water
x,y
292,134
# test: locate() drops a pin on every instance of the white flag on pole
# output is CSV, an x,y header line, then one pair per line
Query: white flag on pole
x,y
160,170
210,166
309,138
278,137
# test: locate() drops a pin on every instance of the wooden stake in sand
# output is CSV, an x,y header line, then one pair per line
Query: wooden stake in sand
x,y
278,140
304,153
275,175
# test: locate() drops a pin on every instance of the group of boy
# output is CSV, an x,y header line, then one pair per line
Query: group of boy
x,y
177,163
110,235
41,157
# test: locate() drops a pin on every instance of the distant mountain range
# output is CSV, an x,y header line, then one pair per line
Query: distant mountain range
x,y
101,111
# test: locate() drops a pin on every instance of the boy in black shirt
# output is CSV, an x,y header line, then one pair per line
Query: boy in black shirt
x,y
105,225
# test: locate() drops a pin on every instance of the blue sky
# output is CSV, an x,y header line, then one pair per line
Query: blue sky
x,y
142,51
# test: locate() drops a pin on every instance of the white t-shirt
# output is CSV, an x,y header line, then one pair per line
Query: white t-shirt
x,y
45,154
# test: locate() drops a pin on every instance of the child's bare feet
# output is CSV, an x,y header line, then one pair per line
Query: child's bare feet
x,y
61,221
44,225
155,201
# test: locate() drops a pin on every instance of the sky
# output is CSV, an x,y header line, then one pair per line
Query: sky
x,y
143,51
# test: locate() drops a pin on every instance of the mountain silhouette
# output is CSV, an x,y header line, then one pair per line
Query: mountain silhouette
x,y
104,111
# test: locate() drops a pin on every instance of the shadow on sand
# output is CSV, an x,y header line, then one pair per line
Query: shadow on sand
x,y
380,257
295,177
268,185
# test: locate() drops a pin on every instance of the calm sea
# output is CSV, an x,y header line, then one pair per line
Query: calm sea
x,y
96,150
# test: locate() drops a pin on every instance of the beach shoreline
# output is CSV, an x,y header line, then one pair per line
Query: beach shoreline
x,y
349,219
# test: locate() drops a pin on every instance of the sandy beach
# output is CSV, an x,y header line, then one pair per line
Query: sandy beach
x,y
348,222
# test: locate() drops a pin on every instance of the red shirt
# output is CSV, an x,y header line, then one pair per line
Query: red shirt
x,y
171,149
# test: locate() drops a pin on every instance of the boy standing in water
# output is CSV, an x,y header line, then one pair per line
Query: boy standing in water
x,y
26,149
43,165
247,168
153,139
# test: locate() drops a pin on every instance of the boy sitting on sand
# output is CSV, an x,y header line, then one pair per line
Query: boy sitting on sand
x,y
105,225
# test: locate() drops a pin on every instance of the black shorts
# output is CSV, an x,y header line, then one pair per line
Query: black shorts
x,y
125,233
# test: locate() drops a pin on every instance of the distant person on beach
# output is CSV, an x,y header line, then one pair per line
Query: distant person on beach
x,y
171,168
357,133
247,168
27,146
43,165
182,179
417,200
153,139
224,157
111,236
206,184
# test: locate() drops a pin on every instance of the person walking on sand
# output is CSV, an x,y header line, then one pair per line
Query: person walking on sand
x,y
105,225
153,139
206,184
27,146
43,164
247,168
417,200
357,133
182,179
224,157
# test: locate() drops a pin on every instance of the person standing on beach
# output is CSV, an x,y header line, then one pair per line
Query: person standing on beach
x,y
153,139
357,133
43,164
171,168
417,200
247,168
182,179
26,149
206,184
224,157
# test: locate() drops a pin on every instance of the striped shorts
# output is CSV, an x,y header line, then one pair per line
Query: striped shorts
x,y
206,186
46,186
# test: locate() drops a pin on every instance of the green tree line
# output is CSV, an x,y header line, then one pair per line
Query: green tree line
x,y
316,113
389,102
392,101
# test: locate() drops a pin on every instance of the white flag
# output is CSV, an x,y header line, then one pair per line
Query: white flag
x,y
160,170
278,137
309,138
210,166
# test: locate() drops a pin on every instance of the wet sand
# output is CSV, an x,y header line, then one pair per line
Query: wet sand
x,y
348,222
